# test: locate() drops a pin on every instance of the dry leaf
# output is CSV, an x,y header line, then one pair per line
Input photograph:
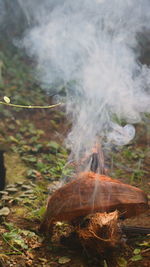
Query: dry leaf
x,y
7,99
64,260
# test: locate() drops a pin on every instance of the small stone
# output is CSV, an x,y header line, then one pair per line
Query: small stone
x,y
24,187
28,192
19,183
12,190
32,197
3,193
6,198
32,184
10,186
4,211
23,196
43,259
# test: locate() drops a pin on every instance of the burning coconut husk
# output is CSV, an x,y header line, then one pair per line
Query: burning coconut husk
x,y
98,199
91,193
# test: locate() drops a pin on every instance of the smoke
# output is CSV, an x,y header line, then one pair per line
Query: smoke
x,y
92,48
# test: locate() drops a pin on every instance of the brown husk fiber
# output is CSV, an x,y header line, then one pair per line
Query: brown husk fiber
x,y
101,231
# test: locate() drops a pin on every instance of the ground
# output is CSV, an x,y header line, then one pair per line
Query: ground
x,y
35,159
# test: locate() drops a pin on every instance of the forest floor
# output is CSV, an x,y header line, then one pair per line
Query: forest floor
x,y
35,160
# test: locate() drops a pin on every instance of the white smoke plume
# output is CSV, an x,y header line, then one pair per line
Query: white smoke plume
x,y
92,48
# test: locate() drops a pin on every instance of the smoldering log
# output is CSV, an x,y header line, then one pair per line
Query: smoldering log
x,y
91,193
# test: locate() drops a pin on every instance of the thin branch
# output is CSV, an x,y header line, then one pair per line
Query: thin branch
x,y
29,107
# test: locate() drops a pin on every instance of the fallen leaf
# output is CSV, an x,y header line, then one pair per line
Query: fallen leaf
x,y
29,263
20,243
4,211
137,251
43,259
105,263
64,260
4,257
136,258
12,190
121,262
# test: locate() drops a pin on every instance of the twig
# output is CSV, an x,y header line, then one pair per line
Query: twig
x,y
29,107
145,250
135,230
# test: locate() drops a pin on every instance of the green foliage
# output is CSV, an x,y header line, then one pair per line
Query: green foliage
x,y
145,244
45,159
9,226
17,82
37,214
14,238
137,175
105,263
133,154
137,251
128,163
17,239
31,173
121,262
53,147
137,257
36,208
